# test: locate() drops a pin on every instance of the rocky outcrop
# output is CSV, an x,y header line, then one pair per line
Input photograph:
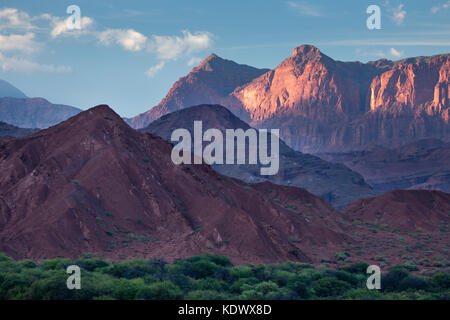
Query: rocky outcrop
x,y
414,83
208,83
308,85
321,104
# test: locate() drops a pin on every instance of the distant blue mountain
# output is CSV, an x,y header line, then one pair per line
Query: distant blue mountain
x,y
8,90
34,112
18,110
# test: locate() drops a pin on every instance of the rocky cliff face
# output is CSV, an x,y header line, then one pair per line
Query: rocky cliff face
x,y
308,85
415,83
322,104
208,83
325,105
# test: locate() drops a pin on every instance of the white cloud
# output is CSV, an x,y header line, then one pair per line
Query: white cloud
x,y
14,22
398,14
174,47
194,61
436,9
395,53
20,30
13,18
304,8
17,42
62,26
152,71
379,53
129,39
23,65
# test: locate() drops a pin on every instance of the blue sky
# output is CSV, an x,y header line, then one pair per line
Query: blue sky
x,y
128,53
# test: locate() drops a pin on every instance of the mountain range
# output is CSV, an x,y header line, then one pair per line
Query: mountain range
x,y
423,164
209,83
323,105
88,182
13,131
334,183
8,90
18,110
34,112
93,184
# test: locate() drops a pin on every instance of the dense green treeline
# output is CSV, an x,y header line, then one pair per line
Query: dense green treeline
x,y
209,277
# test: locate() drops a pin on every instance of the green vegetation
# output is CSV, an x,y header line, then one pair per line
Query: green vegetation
x,y
106,213
209,277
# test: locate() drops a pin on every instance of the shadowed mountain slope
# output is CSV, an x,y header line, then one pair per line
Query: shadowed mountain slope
x,y
208,83
333,182
419,165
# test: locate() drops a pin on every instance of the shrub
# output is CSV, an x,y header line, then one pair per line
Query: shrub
x,y
209,277
199,269
342,275
412,282
329,287
206,295
165,290
91,264
362,294
360,267
131,269
299,284
239,272
391,281
440,281
124,289
55,264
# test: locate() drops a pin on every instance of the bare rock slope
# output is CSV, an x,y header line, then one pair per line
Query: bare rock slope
x,y
93,184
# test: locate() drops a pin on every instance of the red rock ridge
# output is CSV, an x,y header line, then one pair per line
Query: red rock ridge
x,y
93,184
210,82
323,105
308,84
